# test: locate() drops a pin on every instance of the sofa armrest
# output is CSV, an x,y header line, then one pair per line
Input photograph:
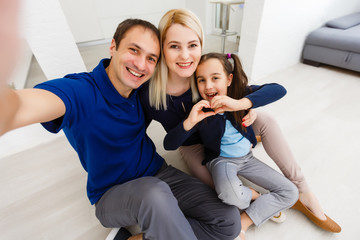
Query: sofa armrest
x,y
345,22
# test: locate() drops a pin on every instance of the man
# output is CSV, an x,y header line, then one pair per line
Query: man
x,y
101,116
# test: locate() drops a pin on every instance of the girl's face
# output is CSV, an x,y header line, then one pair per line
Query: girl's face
x,y
211,79
182,50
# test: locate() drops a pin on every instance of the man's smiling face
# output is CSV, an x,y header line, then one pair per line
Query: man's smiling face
x,y
134,61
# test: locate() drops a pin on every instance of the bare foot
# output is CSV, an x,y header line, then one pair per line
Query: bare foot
x,y
311,202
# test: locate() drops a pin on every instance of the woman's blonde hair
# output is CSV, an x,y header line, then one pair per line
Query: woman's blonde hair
x,y
157,85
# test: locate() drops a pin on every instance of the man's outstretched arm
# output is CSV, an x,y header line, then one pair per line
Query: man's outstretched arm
x,y
19,108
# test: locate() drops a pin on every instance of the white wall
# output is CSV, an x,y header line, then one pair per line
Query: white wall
x,y
19,75
50,38
235,22
91,20
273,32
203,9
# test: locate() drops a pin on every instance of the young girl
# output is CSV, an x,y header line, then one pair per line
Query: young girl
x,y
227,143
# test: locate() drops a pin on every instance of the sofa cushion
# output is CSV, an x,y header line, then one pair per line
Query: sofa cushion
x,y
345,22
346,40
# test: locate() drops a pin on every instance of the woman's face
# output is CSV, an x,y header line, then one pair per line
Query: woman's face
x,y
182,50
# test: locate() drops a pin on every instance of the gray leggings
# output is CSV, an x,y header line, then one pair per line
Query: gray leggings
x,y
274,144
170,205
282,193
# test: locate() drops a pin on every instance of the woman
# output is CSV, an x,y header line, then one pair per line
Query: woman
x,y
170,95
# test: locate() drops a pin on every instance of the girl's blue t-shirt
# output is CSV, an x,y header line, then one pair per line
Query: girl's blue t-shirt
x,y
233,143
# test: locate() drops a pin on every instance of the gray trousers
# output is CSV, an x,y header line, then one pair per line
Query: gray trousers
x,y
170,205
282,193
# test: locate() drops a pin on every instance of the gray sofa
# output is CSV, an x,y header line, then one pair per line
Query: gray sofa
x,y
337,44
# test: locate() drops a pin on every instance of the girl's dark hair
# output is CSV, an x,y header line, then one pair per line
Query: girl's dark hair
x,y
237,90
127,24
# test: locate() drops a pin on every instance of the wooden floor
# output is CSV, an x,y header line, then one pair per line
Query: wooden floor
x,y
43,192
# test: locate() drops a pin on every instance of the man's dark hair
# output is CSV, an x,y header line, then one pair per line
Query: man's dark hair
x,y
128,24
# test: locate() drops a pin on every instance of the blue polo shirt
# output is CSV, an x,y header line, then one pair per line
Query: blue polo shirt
x,y
105,129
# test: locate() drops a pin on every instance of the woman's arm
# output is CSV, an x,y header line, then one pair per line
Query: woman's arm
x,y
261,95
